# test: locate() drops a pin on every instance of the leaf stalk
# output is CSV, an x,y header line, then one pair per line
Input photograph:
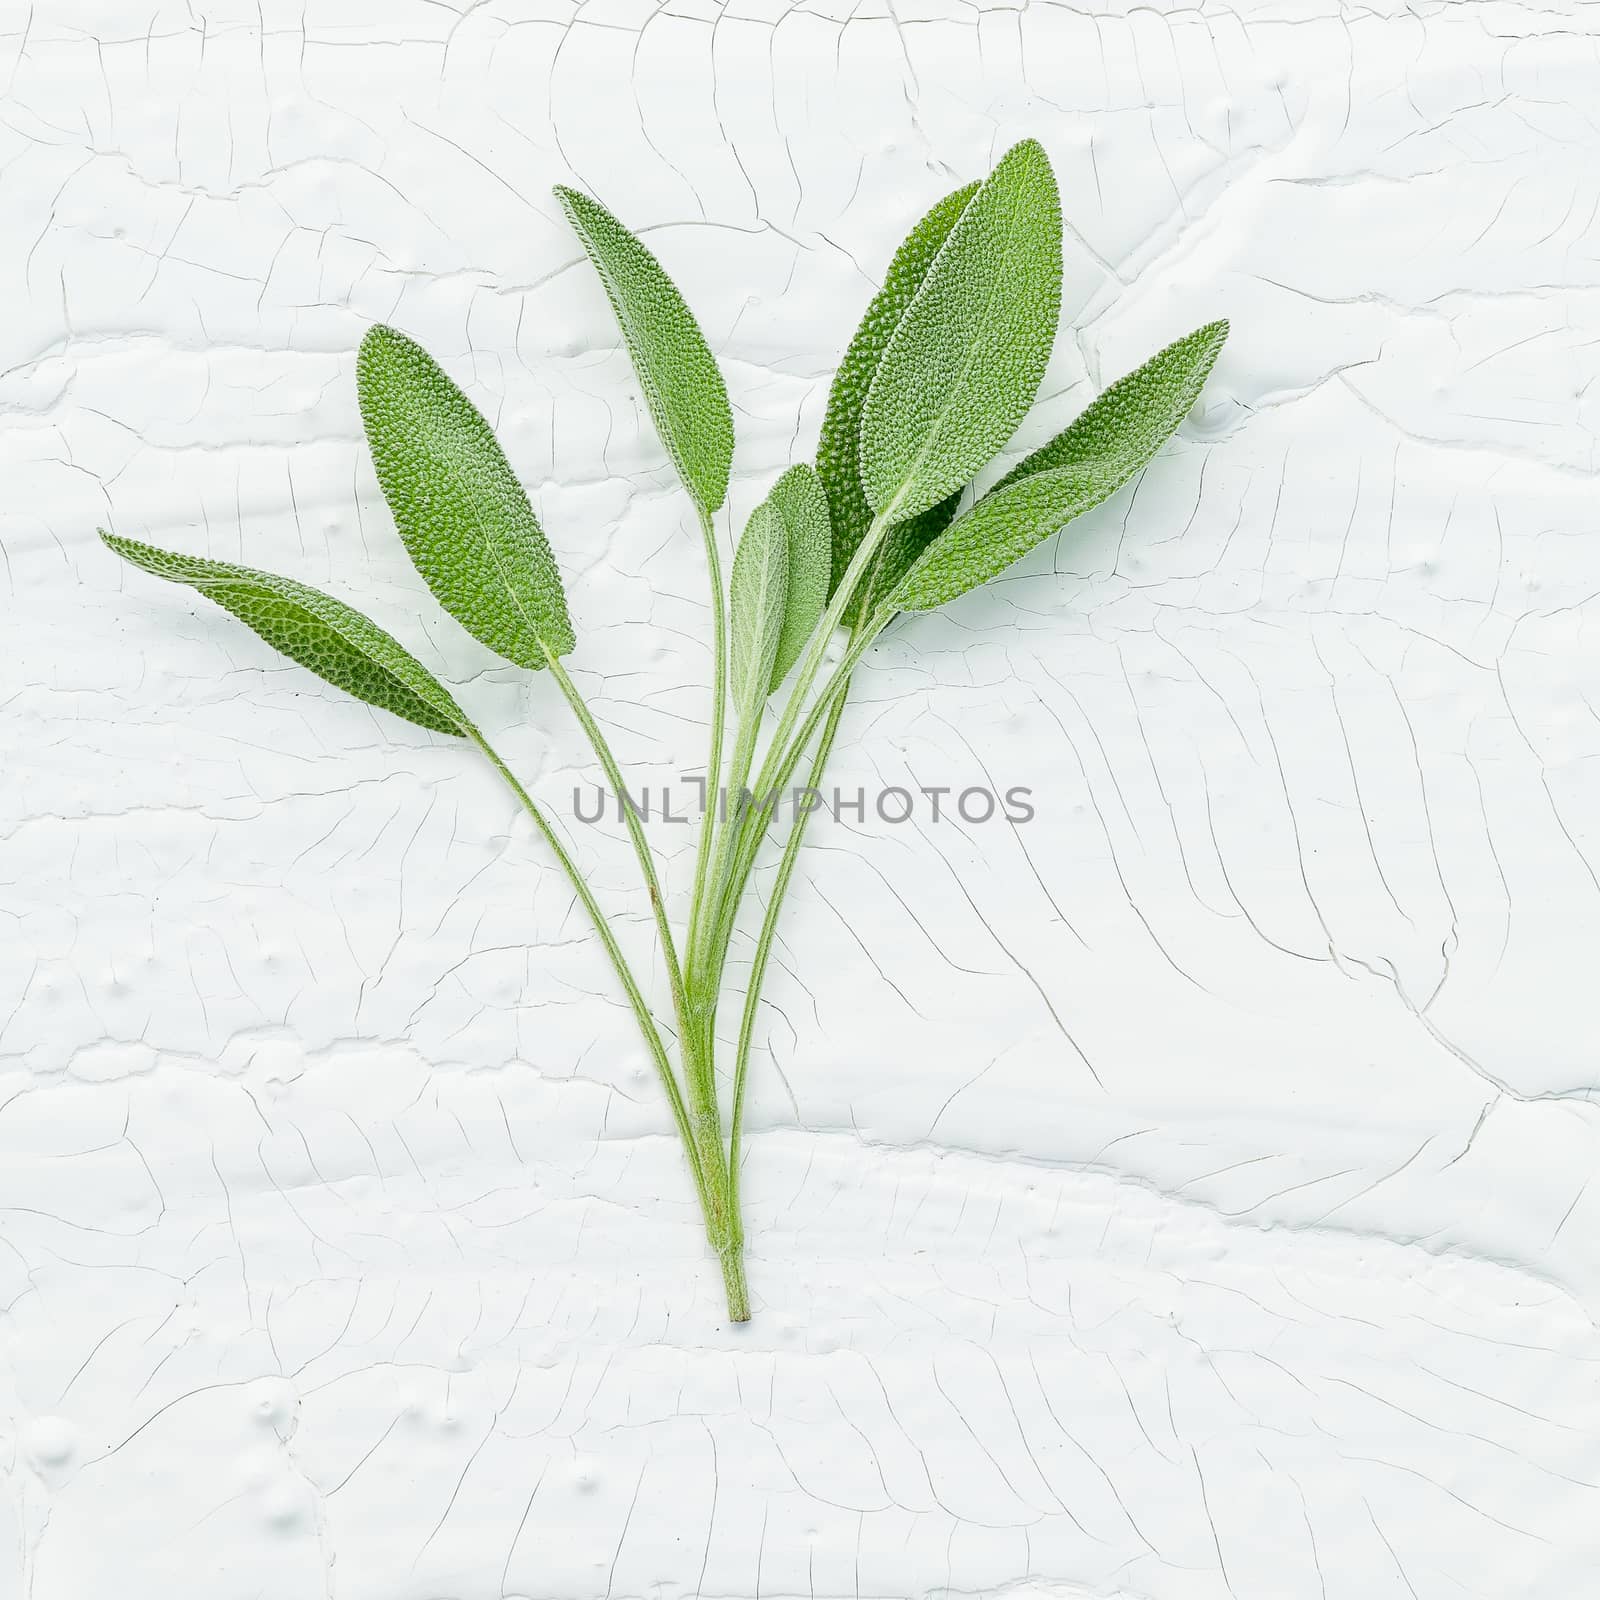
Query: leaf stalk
x,y
641,847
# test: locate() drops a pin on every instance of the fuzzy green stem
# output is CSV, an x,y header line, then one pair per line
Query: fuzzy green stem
x,y
702,1140
865,555
776,771
619,963
641,847
732,1258
698,1042
704,937
738,781
717,1201
764,941
710,927
719,698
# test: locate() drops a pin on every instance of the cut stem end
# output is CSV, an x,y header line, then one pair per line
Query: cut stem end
x,y
732,1257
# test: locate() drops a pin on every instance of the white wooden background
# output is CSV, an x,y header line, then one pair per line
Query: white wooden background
x,y
1186,1195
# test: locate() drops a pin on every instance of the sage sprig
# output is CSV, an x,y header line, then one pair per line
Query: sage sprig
x,y
940,373
688,402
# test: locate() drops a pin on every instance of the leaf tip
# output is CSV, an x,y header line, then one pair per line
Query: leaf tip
x,y
127,549
379,340
1026,150
1028,153
1209,339
380,344
377,336
578,207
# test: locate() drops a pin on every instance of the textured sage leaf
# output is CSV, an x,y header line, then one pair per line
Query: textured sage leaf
x,y
839,447
757,595
799,500
1138,413
964,363
340,645
1114,438
679,375
463,515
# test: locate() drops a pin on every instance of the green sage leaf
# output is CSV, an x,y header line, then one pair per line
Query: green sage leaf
x,y
1114,438
1138,413
682,383
799,499
340,645
839,447
757,596
463,515
963,365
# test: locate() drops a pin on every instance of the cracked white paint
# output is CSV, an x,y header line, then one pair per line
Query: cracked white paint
x,y
1192,1195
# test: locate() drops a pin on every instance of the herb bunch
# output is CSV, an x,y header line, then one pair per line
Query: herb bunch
x,y
945,364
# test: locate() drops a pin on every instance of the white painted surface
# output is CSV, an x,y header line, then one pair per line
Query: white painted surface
x,y
343,1245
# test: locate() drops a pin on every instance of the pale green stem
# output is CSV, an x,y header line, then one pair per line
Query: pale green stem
x,y
731,837
619,963
710,893
711,1186
758,967
719,697
865,553
641,847
715,886
698,1018
695,1012
706,995
775,773
705,1126
736,845
744,750
730,1242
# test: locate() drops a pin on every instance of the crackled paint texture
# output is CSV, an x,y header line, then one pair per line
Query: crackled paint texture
x,y
1188,1194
